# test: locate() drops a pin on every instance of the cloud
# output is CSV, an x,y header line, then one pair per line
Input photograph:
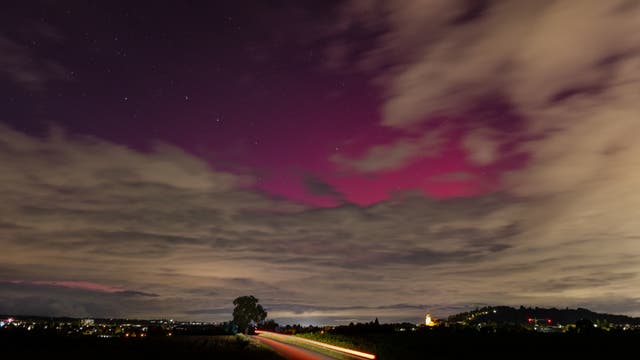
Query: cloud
x,y
136,293
90,211
163,222
86,285
567,69
563,232
459,176
316,186
481,147
215,311
23,66
392,156
82,285
27,299
444,57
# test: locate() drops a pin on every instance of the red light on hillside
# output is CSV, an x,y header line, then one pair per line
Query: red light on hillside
x,y
548,321
530,320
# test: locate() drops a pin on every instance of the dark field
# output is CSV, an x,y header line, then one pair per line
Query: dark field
x,y
178,347
406,345
456,345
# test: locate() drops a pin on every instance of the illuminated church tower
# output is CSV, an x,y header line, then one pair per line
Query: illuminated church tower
x,y
428,321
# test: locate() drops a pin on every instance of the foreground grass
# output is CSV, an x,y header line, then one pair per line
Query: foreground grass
x,y
178,347
360,343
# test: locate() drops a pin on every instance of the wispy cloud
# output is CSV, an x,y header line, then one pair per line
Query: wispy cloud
x,y
86,285
22,65
81,285
393,156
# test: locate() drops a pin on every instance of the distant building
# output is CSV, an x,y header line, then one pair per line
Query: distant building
x,y
429,321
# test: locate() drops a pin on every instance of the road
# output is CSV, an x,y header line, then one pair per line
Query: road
x,y
291,352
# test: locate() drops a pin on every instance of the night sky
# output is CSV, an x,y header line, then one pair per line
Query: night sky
x,y
339,160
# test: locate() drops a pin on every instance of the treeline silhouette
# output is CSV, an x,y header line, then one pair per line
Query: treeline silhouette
x,y
522,315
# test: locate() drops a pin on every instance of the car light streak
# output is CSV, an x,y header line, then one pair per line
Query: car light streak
x,y
321,344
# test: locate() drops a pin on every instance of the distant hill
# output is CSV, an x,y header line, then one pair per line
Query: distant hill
x,y
522,315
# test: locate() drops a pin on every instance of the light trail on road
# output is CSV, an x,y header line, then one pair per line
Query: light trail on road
x,y
323,345
292,352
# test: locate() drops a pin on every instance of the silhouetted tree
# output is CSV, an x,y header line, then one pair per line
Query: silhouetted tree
x,y
269,325
247,310
584,326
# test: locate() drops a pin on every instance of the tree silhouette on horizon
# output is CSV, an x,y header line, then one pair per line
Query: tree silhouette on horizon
x,y
247,310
